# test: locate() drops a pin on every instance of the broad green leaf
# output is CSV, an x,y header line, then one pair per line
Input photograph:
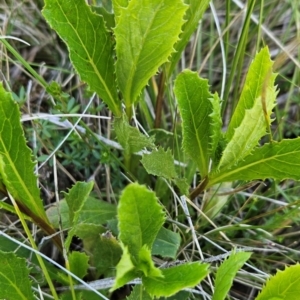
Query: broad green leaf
x,y
89,233
139,293
195,108
118,6
105,252
284,285
76,198
227,272
7,245
278,160
90,46
14,278
78,263
109,18
146,264
216,126
175,279
248,123
145,34
94,211
126,270
166,243
16,166
182,295
160,163
259,72
140,218
193,16
130,138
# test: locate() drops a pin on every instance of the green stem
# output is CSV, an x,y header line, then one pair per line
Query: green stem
x,y
33,245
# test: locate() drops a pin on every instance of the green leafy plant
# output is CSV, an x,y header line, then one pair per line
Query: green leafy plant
x,y
117,53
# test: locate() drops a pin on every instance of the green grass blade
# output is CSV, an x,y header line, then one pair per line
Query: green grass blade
x,y
90,46
145,34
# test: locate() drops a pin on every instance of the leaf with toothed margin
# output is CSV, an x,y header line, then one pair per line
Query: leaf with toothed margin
x,y
90,46
215,125
278,160
192,93
118,5
130,138
175,279
145,34
248,124
16,165
284,285
258,72
160,163
193,16
140,218
227,272
14,278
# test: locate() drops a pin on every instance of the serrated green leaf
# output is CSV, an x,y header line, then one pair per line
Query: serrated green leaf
x,y
175,279
166,243
105,252
76,198
94,211
284,285
193,16
259,71
109,18
248,124
90,46
278,160
160,163
16,166
89,233
216,126
118,5
14,278
145,34
126,270
130,138
140,218
78,263
182,295
227,272
146,264
182,184
192,93
138,293
246,137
